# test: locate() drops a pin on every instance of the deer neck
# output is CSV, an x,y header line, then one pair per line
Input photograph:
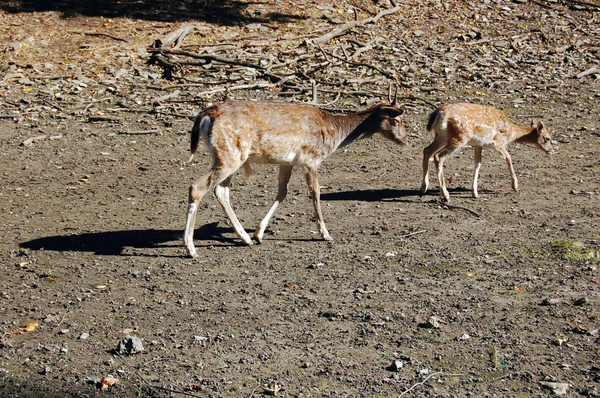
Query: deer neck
x,y
523,134
352,127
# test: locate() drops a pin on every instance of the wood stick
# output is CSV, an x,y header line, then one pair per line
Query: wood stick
x,y
340,30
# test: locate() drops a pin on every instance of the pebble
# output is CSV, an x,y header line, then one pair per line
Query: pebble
x,y
84,336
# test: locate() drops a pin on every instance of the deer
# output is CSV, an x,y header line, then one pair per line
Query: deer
x,y
460,124
238,133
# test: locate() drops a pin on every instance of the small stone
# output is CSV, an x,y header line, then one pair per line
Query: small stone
x,y
548,302
84,336
63,331
580,301
464,337
64,350
432,323
396,365
557,388
424,372
129,345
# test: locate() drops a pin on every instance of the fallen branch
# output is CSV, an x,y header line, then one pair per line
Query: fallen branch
x,y
340,30
591,71
175,37
206,57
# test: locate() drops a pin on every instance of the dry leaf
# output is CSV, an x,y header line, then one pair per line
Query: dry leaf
x,y
518,289
108,382
195,387
30,327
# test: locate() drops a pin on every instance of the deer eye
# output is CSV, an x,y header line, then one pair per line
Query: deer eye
x,y
393,122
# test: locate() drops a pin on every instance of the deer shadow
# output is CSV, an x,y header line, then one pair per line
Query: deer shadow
x,y
386,195
113,243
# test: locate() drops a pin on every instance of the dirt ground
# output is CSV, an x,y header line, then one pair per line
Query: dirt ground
x,y
491,297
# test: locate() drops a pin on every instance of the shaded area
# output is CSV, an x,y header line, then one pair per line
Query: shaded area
x,y
20,387
114,242
225,12
383,195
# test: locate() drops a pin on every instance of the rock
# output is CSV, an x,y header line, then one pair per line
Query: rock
x,y
432,323
395,366
84,336
548,302
557,388
129,345
580,301
464,337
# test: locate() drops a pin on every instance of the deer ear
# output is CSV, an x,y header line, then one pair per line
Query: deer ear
x,y
394,102
540,126
533,123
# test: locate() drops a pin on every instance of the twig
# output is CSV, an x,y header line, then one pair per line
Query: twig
x,y
104,118
105,35
449,206
413,233
420,383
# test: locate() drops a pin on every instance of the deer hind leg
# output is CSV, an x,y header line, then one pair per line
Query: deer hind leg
x,y
197,191
285,172
429,151
315,191
508,159
222,194
477,159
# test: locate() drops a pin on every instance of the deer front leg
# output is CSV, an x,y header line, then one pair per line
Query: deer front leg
x,y
508,159
477,159
197,191
429,151
285,173
315,191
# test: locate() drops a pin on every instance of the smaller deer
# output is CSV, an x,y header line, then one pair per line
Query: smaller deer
x,y
238,133
457,125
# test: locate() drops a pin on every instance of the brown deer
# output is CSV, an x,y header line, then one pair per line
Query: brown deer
x,y
238,133
457,125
